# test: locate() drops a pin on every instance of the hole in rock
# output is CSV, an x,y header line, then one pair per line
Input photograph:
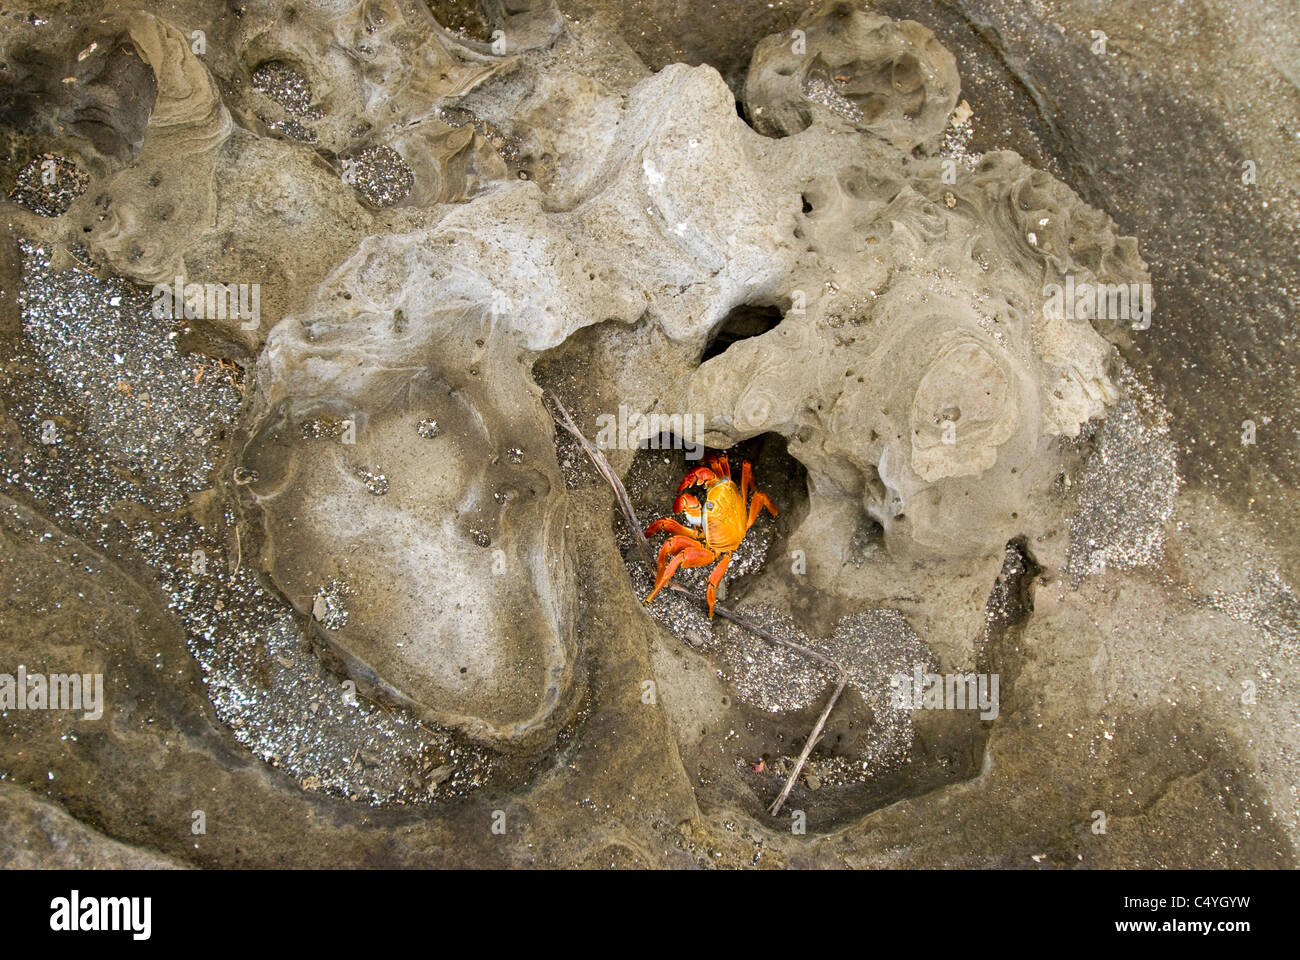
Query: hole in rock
x,y
743,322
948,744
868,538
659,466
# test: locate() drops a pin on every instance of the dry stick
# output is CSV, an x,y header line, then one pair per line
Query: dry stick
x,y
239,555
808,746
603,467
605,470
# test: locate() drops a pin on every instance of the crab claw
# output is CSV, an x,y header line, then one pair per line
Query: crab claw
x,y
700,475
687,504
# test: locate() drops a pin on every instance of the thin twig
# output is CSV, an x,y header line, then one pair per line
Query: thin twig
x,y
808,746
728,614
602,465
605,470
239,555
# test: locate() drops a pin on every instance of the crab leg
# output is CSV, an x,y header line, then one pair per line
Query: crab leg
x,y
673,527
686,553
746,481
671,546
760,500
715,578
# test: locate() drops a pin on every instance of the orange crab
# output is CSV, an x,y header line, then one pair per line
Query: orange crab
x,y
724,519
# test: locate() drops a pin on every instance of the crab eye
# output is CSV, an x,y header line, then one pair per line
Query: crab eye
x,y
709,505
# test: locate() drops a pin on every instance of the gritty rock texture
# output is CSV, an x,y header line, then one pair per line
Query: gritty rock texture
x,y
928,388
41,836
339,569
849,69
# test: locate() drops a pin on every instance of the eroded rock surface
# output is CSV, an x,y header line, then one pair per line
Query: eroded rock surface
x,y
442,225
434,526
849,69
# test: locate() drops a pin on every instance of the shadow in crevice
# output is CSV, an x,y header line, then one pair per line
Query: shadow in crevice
x,y
742,323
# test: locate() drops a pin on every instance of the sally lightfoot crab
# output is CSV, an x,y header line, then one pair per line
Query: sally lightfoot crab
x,y
713,530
